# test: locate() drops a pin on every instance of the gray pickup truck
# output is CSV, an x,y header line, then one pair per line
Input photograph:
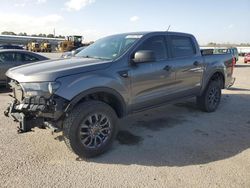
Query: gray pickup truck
x,y
118,75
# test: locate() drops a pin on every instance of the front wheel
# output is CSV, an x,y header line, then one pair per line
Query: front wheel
x,y
210,99
90,128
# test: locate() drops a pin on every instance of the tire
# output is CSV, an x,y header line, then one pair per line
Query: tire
x,y
245,62
210,99
88,139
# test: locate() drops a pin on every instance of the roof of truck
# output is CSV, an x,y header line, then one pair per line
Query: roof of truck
x,y
154,32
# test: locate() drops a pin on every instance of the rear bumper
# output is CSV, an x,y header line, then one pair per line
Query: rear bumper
x,y
231,83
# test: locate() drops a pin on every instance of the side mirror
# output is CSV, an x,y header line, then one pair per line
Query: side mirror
x,y
144,56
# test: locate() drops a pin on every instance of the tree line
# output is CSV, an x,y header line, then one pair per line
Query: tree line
x,y
210,44
214,44
33,35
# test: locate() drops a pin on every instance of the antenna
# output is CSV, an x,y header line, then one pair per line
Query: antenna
x,y
169,27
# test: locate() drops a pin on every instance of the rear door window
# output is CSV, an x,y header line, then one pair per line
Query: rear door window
x,y
29,58
18,57
182,46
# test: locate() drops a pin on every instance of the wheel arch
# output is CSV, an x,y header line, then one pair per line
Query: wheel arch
x,y
217,74
104,94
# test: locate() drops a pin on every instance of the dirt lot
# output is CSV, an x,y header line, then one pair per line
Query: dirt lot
x,y
173,146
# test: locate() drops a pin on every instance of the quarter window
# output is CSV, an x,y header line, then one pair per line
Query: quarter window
x,y
182,46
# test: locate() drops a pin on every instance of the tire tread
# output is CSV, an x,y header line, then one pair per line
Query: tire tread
x,y
76,113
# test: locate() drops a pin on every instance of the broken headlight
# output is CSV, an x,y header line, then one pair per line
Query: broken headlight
x,y
45,89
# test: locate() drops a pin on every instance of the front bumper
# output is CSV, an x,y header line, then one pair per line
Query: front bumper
x,y
37,112
25,125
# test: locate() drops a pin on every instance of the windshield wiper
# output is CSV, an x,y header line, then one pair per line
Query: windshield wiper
x,y
103,58
95,57
86,56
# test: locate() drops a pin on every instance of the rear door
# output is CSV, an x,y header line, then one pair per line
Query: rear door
x,y
188,63
151,82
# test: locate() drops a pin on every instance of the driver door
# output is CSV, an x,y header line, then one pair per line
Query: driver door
x,y
152,82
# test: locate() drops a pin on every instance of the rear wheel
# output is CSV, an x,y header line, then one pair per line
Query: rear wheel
x,y
210,99
90,128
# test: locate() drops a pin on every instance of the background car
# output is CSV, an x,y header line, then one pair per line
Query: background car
x,y
9,46
247,58
13,58
72,53
233,51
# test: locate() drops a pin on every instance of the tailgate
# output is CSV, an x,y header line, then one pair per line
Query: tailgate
x,y
230,65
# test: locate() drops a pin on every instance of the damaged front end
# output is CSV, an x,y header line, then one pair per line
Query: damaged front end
x,y
31,111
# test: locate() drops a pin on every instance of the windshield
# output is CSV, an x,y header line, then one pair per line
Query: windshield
x,y
79,49
109,48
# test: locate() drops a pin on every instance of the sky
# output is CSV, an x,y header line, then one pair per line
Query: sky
x,y
221,21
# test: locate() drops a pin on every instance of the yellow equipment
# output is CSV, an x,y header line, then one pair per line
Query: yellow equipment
x,y
33,46
45,47
70,43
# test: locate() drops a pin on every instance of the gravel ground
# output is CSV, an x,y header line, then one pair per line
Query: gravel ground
x,y
172,146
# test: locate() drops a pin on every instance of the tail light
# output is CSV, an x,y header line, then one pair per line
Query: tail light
x,y
234,62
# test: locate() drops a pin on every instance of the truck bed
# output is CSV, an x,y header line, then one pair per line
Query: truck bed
x,y
221,60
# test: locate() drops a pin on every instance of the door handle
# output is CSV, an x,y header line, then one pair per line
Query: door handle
x,y
167,68
123,74
196,63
